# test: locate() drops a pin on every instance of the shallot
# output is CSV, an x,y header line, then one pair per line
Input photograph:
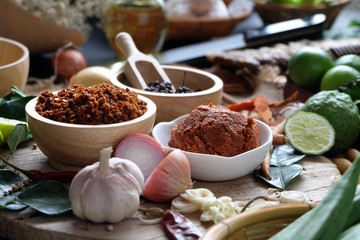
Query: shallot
x,y
141,149
68,62
169,179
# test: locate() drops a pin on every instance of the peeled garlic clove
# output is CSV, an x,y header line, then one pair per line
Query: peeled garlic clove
x,y
108,191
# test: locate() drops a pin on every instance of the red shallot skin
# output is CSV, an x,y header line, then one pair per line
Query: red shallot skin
x,y
67,63
143,150
171,178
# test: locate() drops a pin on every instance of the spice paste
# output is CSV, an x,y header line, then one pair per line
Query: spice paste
x,y
100,104
215,130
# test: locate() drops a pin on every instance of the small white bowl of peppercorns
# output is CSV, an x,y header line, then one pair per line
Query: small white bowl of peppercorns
x,y
71,126
193,87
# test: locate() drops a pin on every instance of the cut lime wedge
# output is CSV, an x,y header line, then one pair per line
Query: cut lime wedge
x,y
309,133
7,125
1,139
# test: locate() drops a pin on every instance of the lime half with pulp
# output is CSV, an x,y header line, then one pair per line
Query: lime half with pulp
x,y
309,133
1,139
7,125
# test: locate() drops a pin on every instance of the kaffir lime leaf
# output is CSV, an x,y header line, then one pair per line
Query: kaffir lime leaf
x,y
309,133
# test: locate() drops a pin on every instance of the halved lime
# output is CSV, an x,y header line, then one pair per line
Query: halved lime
x,y
309,133
1,139
7,125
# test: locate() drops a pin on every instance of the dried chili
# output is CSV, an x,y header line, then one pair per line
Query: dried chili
x,y
36,175
178,227
250,106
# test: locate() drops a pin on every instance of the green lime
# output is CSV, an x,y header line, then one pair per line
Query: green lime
x,y
1,139
337,76
6,126
342,113
352,88
309,133
294,2
308,65
351,60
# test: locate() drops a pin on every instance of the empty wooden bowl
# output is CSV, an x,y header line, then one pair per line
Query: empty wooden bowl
x,y
14,65
74,146
174,105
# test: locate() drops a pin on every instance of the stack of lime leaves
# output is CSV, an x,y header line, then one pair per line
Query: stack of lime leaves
x,y
13,126
329,121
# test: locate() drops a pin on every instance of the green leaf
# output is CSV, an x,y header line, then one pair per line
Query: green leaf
x,y
7,180
48,197
14,108
14,94
17,135
282,166
282,176
284,155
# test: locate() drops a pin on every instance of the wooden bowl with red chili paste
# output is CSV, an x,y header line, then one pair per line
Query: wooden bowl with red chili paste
x,y
71,126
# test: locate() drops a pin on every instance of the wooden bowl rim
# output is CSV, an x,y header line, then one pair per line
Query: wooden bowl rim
x,y
30,111
218,84
237,16
24,49
322,6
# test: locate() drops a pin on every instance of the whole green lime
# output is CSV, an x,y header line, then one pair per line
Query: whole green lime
x,y
351,60
338,76
342,113
308,65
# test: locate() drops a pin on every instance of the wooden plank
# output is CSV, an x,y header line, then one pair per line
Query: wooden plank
x,y
29,224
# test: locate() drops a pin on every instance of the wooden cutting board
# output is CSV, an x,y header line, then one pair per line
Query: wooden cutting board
x,y
29,224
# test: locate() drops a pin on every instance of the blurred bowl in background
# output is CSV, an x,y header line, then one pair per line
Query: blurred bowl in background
x,y
173,105
14,65
37,34
277,12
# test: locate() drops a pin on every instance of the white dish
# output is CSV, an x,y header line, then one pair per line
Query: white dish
x,y
208,167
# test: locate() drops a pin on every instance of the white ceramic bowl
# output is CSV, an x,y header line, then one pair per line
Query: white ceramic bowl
x,y
73,146
174,105
14,65
208,167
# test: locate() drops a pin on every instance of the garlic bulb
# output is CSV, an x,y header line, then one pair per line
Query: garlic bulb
x,y
107,191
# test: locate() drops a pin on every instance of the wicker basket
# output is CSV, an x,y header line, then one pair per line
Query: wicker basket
x,y
272,12
259,224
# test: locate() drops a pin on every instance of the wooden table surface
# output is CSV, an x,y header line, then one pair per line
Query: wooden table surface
x,y
29,224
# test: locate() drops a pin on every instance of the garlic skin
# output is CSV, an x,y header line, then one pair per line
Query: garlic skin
x,y
107,191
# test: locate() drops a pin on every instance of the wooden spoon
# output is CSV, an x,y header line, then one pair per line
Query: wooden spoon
x,y
139,68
